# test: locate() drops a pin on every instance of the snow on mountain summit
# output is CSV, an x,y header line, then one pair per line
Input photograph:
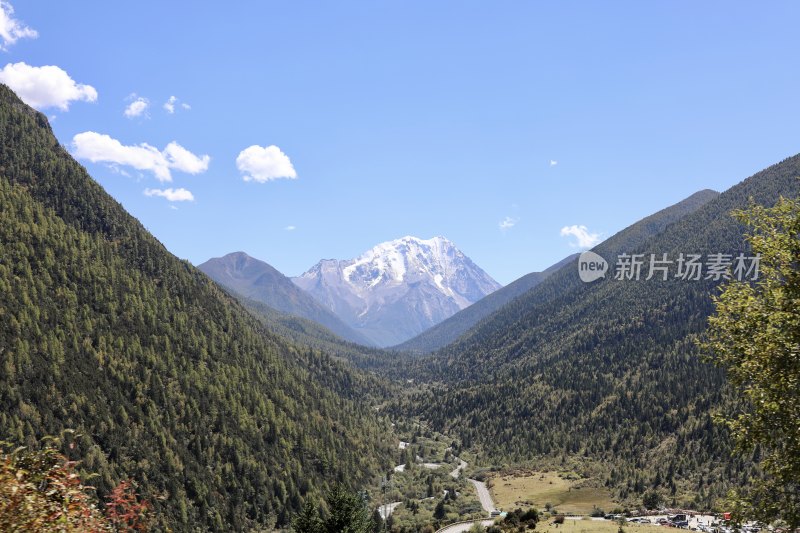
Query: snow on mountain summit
x,y
398,288
394,259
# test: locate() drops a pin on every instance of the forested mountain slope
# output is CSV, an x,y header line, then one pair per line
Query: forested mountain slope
x,y
167,379
310,334
606,373
451,329
258,281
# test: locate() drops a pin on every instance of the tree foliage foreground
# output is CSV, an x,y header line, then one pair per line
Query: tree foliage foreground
x,y
347,513
41,491
755,337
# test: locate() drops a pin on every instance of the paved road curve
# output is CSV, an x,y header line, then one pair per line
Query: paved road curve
x,y
461,466
480,487
464,526
386,509
483,495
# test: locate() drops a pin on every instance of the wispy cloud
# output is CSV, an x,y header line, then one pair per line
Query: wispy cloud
x,y
290,228
169,105
583,238
173,195
553,162
100,148
507,223
11,29
264,164
47,86
172,101
137,107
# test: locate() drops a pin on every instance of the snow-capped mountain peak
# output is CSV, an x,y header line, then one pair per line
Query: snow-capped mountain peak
x,y
426,279
391,261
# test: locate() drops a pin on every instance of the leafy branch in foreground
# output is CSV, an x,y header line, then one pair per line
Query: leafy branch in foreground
x,y
755,337
40,491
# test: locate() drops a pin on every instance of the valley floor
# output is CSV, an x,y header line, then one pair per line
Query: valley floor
x,y
543,490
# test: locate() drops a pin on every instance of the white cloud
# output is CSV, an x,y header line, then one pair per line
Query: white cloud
x,y
100,148
137,107
553,162
264,164
507,223
169,105
290,228
11,29
173,195
584,239
182,159
47,86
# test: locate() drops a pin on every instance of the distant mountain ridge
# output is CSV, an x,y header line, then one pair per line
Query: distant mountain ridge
x,y
449,330
259,281
566,281
398,288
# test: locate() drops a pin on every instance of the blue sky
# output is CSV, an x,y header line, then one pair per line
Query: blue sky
x,y
494,124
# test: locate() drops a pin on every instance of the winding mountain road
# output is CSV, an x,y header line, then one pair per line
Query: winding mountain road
x,y
480,488
461,527
461,466
483,495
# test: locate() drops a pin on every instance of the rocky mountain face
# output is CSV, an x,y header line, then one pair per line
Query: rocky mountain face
x,y
399,288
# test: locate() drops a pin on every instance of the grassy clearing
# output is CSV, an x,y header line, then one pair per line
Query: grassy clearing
x,y
567,493
590,526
